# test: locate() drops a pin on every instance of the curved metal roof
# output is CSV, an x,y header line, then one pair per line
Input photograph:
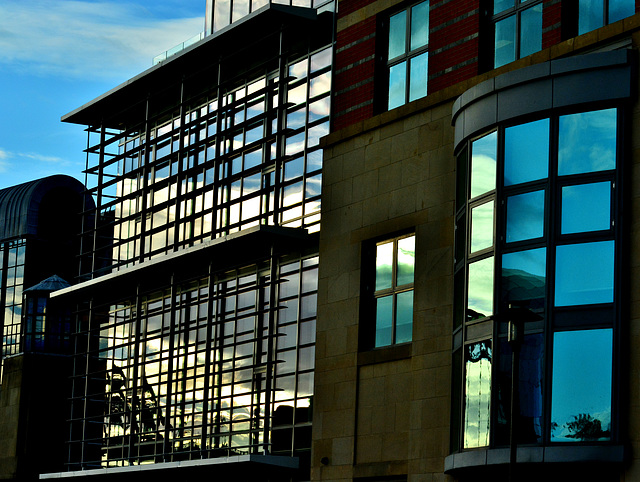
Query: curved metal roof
x,y
20,205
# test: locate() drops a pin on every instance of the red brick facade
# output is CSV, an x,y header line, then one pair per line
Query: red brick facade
x,y
454,51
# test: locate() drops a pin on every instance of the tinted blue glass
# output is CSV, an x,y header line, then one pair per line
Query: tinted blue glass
x,y
530,385
524,278
501,5
483,164
477,402
531,30
505,41
420,25
418,76
384,321
586,207
581,386
590,15
404,317
619,9
587,142
480,289
397,34
526,152
397,85
525,216
584,273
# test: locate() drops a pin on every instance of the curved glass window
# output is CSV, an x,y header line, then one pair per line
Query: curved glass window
x,y
537,246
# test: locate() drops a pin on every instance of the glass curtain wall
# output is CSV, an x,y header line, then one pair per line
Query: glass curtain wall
x,y
246,155
222,13
216,366
538,237
12,261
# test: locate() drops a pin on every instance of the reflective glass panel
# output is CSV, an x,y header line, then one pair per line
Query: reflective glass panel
x,y
384,263
480,289
482,227
586,207
483,164
501,5
406,260
524,278
397,85
221,15
530,383
397,34
587,142
581,386
590,15
404,316
420,25
526,152
477,402
505,41
384,321
584,273
531,30
418,76
525,216
619,9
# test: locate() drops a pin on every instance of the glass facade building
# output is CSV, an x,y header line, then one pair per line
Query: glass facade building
x,y
195,322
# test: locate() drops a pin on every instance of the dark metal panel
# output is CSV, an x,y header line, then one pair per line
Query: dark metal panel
x,y
20,205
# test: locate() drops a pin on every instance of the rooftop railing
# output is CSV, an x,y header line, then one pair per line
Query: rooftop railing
x,y
178,48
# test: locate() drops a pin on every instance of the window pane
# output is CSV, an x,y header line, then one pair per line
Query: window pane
x,y
384,321
483,164
524,278
477,401
505,41
482,227
420,25
529,430
397,85
581,386
590,15
531,30
384,262
586,207
525,216
587,142
480,289
526,152
418,76
397,34
500,5
406,260
619,9
584,273
404,317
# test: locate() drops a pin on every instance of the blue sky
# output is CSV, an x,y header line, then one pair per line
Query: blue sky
x,y
56,55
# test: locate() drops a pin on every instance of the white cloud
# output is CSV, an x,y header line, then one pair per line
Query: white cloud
x,y
8,157
80,39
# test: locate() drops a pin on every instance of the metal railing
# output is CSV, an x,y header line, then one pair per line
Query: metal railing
x,y
178,48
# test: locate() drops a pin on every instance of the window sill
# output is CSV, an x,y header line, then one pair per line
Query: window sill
x,y
456,464
385,354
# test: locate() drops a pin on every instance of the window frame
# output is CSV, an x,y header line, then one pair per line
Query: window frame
x,y
385,64
370,295
493,19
